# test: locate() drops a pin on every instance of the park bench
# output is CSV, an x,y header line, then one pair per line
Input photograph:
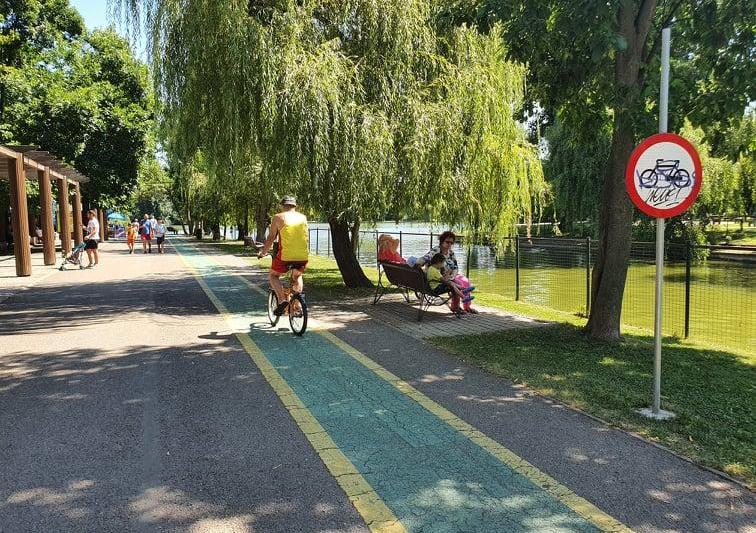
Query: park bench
x,y
408,278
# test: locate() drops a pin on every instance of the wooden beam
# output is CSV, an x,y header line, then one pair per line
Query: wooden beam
x,y
78,230
65,214
20,215
7,152
46,219
102,220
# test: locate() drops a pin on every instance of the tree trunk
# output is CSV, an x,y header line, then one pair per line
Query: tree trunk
x,y
355,232
261,222
343,251
616,217
215,228
615,234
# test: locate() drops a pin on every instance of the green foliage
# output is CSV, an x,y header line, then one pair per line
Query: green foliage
x,y
575,168
719,191
358,107
572,72
82,96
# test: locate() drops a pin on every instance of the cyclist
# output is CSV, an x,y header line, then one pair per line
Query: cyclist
x,y
290,227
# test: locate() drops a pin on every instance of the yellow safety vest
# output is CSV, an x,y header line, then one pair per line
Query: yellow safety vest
x,y
293,237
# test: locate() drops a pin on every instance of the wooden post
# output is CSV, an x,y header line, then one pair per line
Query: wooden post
x,y
20,215
101,220
78,230
46,219
64,215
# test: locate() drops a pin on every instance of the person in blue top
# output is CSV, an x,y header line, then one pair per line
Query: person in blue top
x,y
145,231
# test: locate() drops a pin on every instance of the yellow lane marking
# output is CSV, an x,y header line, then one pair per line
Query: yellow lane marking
x,y
580,505
377,515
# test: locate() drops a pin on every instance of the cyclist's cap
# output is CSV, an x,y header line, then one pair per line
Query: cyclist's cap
x,y
289,200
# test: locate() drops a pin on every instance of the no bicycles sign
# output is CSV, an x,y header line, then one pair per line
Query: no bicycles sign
x,y
664,175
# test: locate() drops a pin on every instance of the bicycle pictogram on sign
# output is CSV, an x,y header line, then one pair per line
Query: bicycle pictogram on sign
x,y
663,177
666,173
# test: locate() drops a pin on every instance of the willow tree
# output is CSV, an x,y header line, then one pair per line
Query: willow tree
x,y
357,106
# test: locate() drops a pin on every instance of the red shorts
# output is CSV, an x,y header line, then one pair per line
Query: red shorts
x,y
282,267
146,237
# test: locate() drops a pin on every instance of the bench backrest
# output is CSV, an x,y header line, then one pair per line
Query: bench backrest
x,y
405,276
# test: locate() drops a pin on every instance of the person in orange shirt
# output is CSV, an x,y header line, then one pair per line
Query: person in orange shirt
x,y
131,233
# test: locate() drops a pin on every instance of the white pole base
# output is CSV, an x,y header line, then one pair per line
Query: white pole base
x,y
661,415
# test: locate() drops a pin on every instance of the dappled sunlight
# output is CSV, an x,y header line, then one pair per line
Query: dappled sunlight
x,y
455,375
494,400
66,501
524,511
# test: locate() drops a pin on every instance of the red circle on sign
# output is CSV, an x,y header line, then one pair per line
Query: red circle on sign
x,y
630,176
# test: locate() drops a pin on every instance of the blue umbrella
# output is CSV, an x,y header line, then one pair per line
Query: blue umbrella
x,y
117,216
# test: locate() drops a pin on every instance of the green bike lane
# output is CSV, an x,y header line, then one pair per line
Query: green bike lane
x,y
405,462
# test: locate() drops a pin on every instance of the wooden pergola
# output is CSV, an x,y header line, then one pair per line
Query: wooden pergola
x,y
28,162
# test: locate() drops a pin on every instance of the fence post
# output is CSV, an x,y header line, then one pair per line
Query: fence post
x,y
517,267
400,243
587,275
317,241
467,262
687,289
377,264
359,245
328,242
431,240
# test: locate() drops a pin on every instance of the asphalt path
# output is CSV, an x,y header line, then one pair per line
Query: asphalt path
x,y
126,406
127,403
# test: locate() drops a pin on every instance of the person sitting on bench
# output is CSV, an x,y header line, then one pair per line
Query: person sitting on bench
x,y
387,250
441,282
446,248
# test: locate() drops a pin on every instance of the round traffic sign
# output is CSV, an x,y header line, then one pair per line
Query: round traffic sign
x,y
664,175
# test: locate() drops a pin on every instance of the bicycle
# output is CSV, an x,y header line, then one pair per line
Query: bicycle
x,y
671,172
296,310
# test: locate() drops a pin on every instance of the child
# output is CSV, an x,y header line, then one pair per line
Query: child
x,y
441,282
131,233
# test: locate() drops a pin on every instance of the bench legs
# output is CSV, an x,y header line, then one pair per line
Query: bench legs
x,y
380,290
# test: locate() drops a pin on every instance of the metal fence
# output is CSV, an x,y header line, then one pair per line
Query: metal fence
x,y
710,300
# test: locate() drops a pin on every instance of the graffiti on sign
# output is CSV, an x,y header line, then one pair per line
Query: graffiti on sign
x,y
663,178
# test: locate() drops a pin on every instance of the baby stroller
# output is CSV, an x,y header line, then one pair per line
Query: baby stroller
x,y
75,257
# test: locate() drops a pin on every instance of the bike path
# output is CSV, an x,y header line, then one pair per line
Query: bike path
x,y
406,463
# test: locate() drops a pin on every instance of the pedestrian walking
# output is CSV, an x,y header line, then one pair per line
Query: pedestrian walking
x,y
146,232
91,239
160,235
131,233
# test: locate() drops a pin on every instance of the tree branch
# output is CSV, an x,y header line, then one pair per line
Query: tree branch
x,y
654,48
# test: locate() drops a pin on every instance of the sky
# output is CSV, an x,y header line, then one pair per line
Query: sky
x,y
95,13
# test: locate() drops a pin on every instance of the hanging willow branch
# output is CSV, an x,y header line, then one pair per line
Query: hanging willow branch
x,y
357,106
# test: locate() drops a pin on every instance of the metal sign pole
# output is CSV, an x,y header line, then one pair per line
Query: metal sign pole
x,y
656,411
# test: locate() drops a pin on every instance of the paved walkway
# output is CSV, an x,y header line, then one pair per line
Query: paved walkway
x,y
11,284
137,407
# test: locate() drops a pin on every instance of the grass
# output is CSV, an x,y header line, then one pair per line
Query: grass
x,y
719,233
711,391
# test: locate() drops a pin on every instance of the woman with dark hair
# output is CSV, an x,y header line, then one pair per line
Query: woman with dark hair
x,y
445,247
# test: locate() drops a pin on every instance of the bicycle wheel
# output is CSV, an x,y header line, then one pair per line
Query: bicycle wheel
x,y
648,179
681,179
298,314
272,304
